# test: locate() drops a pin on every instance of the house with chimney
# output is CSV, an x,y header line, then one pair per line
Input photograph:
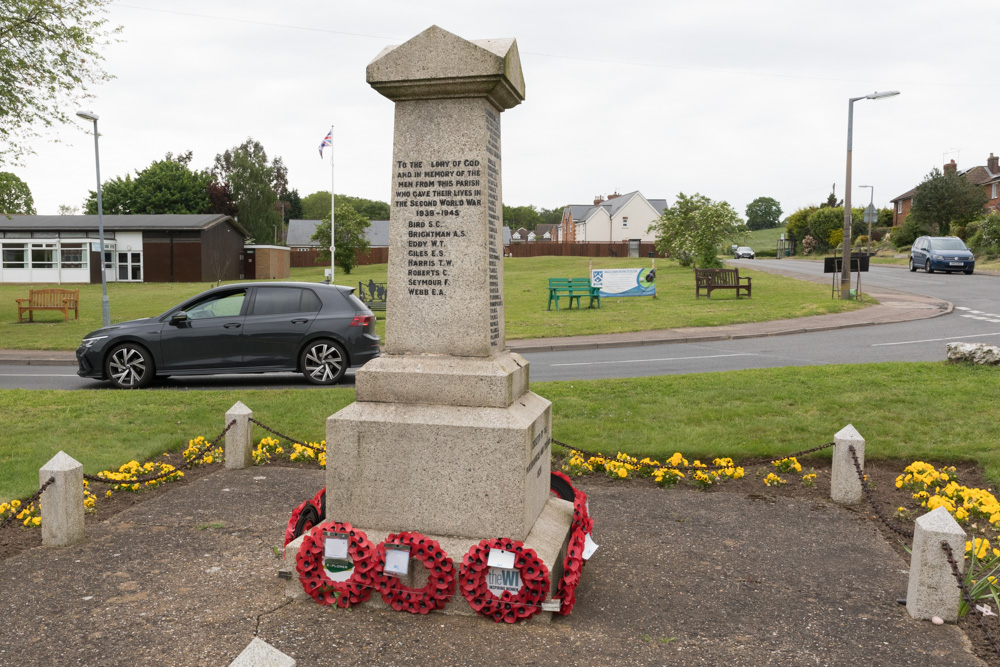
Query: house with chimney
x,y
988,177
619,218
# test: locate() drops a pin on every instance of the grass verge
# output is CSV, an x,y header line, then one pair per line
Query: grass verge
x,y
904,411
526,294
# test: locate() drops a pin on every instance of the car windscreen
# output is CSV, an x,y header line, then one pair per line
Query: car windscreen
x,y
948,244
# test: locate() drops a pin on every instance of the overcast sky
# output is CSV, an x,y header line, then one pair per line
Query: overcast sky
x,y
731,99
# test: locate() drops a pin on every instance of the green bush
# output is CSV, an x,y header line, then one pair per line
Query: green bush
x,y
985,234
906,234
773,252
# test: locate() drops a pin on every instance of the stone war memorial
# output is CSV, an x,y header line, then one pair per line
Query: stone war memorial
x,y
438,475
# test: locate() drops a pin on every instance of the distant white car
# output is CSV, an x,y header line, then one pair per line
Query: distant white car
x,y
743,252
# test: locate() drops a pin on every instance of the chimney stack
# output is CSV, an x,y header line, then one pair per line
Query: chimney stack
x,y
598,199
614,195
951,167
993,164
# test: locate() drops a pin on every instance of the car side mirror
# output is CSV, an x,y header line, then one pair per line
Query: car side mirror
x,y
179,317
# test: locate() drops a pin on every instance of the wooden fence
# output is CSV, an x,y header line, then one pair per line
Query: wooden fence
x,y
310,257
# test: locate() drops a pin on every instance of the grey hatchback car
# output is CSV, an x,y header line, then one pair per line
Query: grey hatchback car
x,y
941,253
318,330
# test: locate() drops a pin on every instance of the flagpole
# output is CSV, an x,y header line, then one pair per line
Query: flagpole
x,y
332,207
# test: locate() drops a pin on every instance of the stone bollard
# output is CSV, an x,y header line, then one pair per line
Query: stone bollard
x,y
61,504
845,487
932,590
239,444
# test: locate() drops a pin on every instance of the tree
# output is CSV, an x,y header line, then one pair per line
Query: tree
x,y
520,216
220,199
550,216
165,186
763,213
255,184
49,56
350,236
292,207
316,206
797,224
695,227
15,195
942,199
66,209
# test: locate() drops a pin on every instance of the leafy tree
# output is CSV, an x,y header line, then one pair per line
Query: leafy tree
x,y
349,236
316,206
49,56
520,216
117,197
694,228
255,184
15,195
165,186
292,205
220,199
942,199
550,216
763,213
831,200
797,224
66,209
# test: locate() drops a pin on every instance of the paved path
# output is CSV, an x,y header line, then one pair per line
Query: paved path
x,y
682,577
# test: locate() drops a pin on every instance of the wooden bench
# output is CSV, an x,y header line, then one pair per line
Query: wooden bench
x,y
712,279
49,299
573,288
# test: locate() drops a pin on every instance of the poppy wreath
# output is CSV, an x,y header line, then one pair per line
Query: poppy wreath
x,y
316,502
509,608
572,569
440,584
315,582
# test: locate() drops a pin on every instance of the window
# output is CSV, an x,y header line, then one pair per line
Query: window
x,y
43,255
899,206
993,192
14,256
129,266
220,305
625,221
280,300
74,256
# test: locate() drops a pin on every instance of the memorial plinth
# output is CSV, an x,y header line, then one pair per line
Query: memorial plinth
x,y
445,437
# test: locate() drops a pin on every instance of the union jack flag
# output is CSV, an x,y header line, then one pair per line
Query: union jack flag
x,y
327,141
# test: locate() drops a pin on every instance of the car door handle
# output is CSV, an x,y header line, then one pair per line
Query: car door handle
x,y
233,325
300,320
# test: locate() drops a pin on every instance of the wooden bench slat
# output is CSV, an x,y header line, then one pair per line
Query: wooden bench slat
x,y
63,300
712,279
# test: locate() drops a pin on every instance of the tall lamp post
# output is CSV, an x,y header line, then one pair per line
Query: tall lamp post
x,y
871,214
105,305
845,276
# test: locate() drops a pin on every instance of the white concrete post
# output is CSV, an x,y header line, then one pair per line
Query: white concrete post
x,y
259,653
61,504
932,590
845,487
239,443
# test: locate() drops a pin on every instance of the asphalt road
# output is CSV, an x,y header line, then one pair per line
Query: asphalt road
x,y
976,318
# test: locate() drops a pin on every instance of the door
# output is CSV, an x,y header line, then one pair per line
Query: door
x,y
275,325
633,247
209,337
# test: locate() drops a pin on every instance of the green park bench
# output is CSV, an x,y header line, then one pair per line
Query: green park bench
x,y
573,289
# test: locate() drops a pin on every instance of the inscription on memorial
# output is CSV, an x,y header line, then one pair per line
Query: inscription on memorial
x,y
431,194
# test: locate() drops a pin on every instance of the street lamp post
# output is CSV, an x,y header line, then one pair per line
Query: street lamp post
x,y
845,276
105,305
871,214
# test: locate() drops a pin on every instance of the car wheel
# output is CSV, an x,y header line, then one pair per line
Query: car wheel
x,y
968,272
130,366
323,362
913,267
927,267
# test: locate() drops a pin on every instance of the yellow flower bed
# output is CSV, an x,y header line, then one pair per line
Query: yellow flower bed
x,y
933,488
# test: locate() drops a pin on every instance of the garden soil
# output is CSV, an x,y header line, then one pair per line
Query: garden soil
x,y
739,575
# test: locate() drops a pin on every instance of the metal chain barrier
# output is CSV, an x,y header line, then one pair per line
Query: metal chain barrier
x,y
704,467
871,499
35,496
285,437
948,554
152,478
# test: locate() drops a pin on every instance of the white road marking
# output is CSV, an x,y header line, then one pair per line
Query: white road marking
x,y
934,340
646,361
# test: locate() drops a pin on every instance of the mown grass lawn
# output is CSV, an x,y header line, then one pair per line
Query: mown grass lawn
x,y
904,410
526,294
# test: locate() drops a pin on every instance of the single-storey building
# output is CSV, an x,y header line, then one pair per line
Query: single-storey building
x,y
137,248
